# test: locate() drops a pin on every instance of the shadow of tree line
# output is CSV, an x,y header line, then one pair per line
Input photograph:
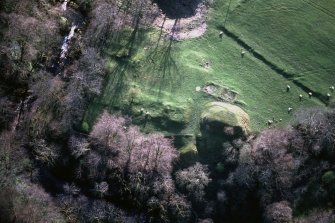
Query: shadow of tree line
x,y
116,82
161,64
164,67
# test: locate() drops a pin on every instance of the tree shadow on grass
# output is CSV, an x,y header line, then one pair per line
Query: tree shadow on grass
x,y
116,84
114,87
164,68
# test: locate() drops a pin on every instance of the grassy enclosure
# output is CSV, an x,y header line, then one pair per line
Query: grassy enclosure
x,y
164,84
297,36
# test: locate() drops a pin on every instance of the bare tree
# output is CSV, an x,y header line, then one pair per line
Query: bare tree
x,y
279,212
156,154
109,129
317,126
47,107
275,166
8,144
29,39
7,113
104,19
136,151
193,181
47,154
78,146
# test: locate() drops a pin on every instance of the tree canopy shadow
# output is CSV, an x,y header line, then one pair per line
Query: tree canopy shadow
x,y
176,9
164,67
116,83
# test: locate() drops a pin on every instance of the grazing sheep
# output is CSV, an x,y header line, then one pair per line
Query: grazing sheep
x,y
310,94
147,115
332,88
289,110
288,87
300,97
242,52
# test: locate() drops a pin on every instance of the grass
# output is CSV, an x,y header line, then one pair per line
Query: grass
x,y
156,85
297,36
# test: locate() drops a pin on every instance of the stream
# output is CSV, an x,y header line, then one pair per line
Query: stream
x,y
66,42
67,39
64,5
77,20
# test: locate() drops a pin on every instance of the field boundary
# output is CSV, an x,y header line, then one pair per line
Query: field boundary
x,y
272,66
319,7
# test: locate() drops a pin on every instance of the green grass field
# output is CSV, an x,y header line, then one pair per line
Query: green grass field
x,y
156,86
297,36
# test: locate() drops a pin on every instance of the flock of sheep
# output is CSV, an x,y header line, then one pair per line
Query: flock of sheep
x,y
310,94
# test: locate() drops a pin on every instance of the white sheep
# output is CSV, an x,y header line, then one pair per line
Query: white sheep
x,y
288,88
300,97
